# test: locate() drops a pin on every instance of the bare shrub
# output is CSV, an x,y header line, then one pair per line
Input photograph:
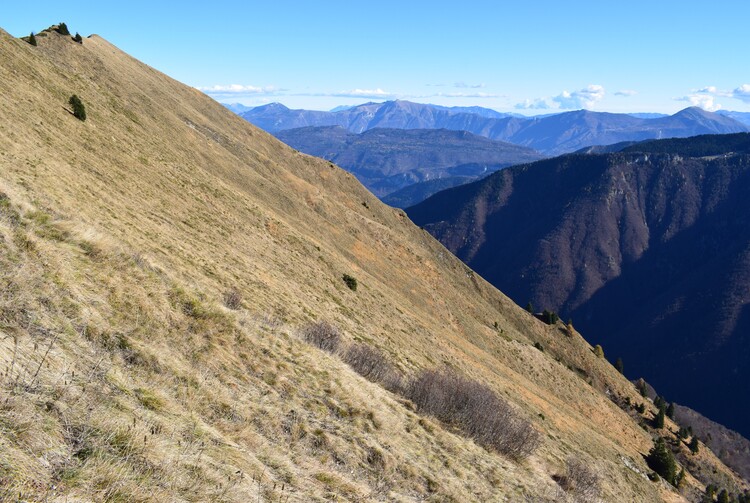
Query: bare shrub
x,y
373,365
323,335
233,299
474,409
580,480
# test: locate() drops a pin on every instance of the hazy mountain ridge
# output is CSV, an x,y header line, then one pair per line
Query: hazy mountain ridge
x,y
158,262
551,135
387,160
645,249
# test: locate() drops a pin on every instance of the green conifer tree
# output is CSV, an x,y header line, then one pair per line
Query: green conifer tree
x,y
640,385
32,39
670,410
62,29
694,445
661,460
659,419
619,366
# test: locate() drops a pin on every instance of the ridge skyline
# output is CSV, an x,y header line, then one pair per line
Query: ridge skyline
x,y
524,58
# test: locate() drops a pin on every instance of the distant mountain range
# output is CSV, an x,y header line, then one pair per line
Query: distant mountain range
x,y
387,160
743,117
647,249
237,108
550,134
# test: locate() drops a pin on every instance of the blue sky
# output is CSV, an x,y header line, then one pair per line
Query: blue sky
x,y
524,56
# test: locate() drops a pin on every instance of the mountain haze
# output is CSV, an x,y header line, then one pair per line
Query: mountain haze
x,y
550,134
159,262
387,160
646,249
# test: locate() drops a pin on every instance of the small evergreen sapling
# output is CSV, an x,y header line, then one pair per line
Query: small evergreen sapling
x,y
78,38
79,110
619,366
670,410
32,39
62,29
350,281
659,419
694,445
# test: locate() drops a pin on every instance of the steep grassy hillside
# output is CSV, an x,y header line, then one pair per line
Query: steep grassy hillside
x,y
158,263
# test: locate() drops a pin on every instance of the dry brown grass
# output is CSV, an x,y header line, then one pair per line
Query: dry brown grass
x,y
124,377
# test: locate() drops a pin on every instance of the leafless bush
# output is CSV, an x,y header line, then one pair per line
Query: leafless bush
x,y
474,409
323,335
233,299
373,365
580,480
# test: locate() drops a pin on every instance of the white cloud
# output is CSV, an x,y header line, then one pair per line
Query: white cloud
x,y
707,89
702,100
364,93
237,89
464,85
742,93
626,93
539,103
584,98
462,95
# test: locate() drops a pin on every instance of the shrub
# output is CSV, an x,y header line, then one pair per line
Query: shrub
x,y
475,410
373,365
233,299
680,478
599,351
32,39
661,460
62,29
322,335
79,110
640,408
530,307
580,480
350,281
539,346
78,38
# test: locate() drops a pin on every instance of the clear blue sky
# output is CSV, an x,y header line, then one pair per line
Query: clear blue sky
x,y
522,56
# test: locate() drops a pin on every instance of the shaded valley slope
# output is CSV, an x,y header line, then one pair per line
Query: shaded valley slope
x,y
648,250
387,160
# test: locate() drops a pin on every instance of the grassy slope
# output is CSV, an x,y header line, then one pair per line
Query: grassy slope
x,y
124,377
